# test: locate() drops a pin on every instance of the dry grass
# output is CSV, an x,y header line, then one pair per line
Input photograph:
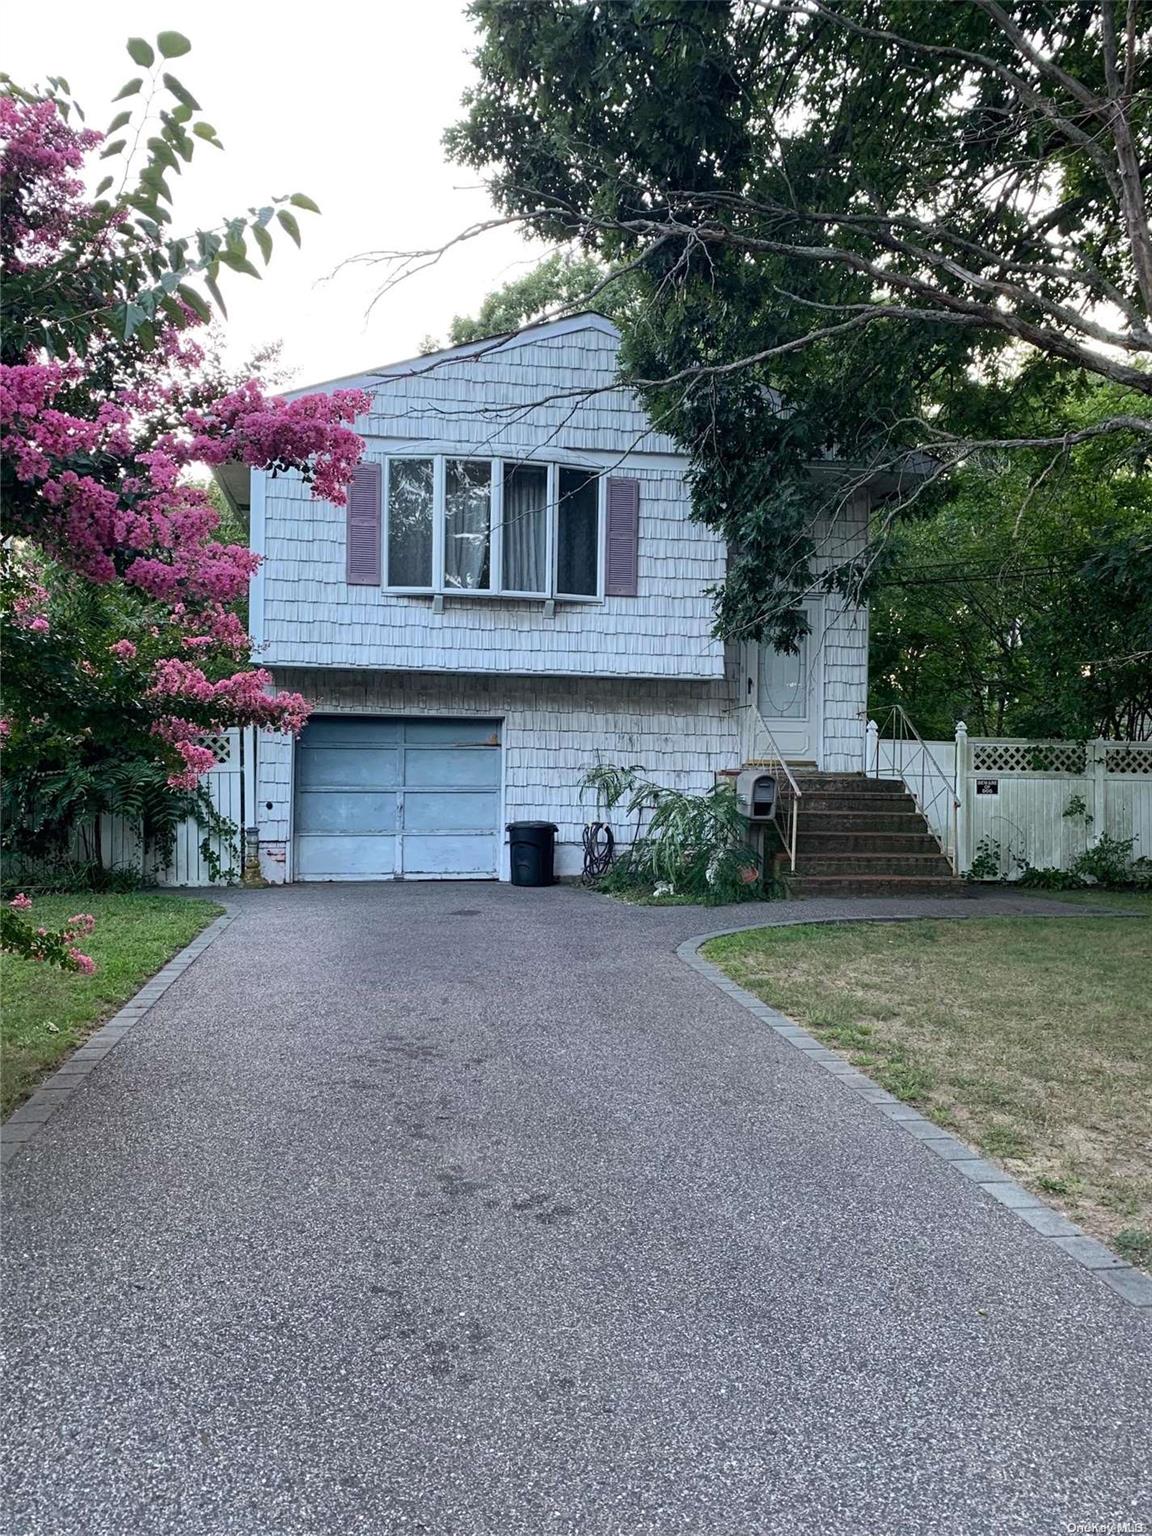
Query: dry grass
x,y
1029,1037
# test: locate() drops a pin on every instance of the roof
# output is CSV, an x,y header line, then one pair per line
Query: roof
x,y
503,341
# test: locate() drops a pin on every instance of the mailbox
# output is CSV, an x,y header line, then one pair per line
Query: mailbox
x,y
756,795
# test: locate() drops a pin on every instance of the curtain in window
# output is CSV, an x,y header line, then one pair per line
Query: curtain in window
x,y
525,527
467,525
576,533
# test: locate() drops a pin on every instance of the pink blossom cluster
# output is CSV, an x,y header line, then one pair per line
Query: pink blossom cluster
x,y
240,699
306,434
27,610
80,925
38,150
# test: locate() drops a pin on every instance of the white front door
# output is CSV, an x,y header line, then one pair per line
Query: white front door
x,y
785,691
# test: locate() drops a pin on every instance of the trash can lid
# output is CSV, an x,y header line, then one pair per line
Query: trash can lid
x,y
531,826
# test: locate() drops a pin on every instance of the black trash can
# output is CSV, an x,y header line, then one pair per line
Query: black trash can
x,y
533,846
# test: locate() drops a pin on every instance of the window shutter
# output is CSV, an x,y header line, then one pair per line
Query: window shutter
x,y
364,526
623,537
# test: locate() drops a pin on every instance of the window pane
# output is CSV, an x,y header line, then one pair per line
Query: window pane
x,y
525,527
467,525
410,523
783,691
576,541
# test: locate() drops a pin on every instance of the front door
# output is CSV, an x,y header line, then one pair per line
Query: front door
x,y
785,688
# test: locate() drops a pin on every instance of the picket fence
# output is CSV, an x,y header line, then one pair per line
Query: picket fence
x,y
1021,801
121,846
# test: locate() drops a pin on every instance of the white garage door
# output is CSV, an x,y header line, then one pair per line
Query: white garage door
x,y
382,798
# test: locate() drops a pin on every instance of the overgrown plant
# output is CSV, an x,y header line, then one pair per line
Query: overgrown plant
x,y
693,846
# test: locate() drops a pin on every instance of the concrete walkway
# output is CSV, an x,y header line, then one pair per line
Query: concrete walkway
x,y
466,1211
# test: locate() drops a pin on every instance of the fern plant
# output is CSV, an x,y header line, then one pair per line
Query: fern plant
x,y
690,845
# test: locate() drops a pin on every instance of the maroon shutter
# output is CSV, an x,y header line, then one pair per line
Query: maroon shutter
x,y
364,527
623,537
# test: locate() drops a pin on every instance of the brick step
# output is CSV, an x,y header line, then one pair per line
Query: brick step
x,y
847,784
848,805
812,886
826,822
841,841
919,865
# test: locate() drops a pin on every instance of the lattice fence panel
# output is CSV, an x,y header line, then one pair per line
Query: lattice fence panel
x,y
1128,757
1028,757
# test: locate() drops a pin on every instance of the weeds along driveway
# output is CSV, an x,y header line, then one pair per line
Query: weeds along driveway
x,y
462,1209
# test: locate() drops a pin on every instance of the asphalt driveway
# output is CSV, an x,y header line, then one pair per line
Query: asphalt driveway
x,y
470,1211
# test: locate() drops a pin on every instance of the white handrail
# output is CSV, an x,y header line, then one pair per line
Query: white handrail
x,y
777,759
902,729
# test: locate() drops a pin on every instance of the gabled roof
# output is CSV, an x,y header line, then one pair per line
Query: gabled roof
x,y
504,341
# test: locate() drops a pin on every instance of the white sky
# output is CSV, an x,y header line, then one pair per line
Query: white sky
x,y
347,105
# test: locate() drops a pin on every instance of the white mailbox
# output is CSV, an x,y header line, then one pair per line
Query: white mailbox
x,y
756,795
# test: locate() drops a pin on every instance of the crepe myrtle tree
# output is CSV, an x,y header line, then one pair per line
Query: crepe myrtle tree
x,y
108,395
842,216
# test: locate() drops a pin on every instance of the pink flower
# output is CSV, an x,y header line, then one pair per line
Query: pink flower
x,y
123,650
83,963
20,903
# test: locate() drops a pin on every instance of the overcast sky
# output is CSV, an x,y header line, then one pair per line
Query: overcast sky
x,y
347,104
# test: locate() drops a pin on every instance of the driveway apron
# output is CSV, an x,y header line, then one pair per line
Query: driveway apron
x,y
472,1211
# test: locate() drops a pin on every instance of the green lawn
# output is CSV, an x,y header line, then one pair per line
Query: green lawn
x,y
46,1012
1029,1037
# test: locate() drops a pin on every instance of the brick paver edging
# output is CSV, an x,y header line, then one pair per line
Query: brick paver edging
x,y
1132,1285
27,1121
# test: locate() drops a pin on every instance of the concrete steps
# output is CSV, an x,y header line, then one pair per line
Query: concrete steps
x,y
865,837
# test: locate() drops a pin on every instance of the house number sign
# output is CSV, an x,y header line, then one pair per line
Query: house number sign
x,y
987,786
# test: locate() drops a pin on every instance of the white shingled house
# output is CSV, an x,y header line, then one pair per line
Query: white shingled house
x,y
515,591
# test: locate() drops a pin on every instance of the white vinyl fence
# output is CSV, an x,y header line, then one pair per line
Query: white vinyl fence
x,y
121,846
1018,801
1044,803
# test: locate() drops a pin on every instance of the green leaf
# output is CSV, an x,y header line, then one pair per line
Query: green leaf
x,y
162,152
238,263
207,132
130,89
104,185
112,149
119,121
195,302
181,92
172,45
141,53
210,284
298,200
134,317
264,240
288,222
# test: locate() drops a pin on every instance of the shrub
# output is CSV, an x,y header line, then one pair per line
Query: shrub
x,y
695,846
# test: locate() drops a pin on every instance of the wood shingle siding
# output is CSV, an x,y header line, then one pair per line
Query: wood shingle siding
x,y
515,401
553,730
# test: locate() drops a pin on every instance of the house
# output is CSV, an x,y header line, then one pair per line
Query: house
x,y
515,590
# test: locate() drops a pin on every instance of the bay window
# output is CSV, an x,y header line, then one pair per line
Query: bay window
x,y
462,525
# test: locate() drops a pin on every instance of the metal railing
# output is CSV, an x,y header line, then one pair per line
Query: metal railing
x,y
775,761
932,788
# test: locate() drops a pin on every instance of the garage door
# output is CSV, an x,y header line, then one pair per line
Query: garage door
x,y
377,798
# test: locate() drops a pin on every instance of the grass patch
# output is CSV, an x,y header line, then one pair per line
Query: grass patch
x,y
47,1013
1112,901
1028,1037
